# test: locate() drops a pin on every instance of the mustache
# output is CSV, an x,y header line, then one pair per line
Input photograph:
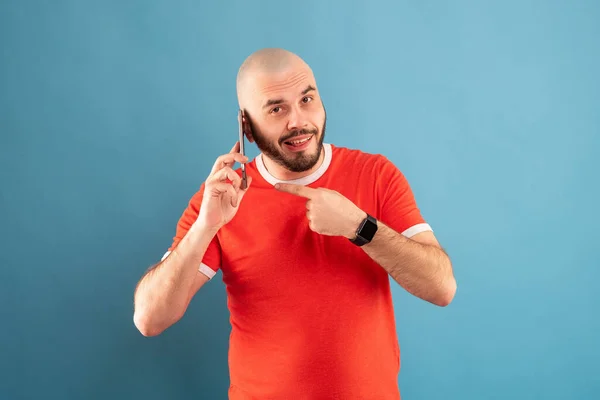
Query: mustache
x,y
299,132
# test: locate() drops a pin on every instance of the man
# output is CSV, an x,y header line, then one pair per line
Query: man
x,y
306,250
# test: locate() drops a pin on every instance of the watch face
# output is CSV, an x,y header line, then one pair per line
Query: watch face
x,y
368,230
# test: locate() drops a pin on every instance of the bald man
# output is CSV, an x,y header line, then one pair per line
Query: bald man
x,y
305,250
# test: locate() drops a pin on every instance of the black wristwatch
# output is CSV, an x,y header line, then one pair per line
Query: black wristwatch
x,y
366,231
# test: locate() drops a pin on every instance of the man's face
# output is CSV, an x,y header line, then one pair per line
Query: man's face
x,y
287,118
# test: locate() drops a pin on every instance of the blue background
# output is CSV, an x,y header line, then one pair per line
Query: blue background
x,y
112,113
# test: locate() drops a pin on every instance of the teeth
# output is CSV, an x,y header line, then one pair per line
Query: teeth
x,y
297,142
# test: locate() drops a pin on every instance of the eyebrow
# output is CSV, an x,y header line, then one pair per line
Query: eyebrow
x,y
272,102
308,89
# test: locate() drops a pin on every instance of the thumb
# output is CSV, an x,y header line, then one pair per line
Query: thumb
x,y
242,192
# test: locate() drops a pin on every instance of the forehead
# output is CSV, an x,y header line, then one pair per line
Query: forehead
x,y
285,84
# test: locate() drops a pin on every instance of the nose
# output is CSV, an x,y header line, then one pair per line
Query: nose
x,y
297,119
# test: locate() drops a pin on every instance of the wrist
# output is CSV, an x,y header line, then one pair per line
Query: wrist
x,y
355,223
200,226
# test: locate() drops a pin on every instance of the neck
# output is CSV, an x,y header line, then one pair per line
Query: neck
x,y
283,174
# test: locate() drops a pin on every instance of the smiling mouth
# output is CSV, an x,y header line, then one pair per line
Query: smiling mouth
x,y
298,142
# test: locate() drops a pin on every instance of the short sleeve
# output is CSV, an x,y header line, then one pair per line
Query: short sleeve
x,y
399,209
212,257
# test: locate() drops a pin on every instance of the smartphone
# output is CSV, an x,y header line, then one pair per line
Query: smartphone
x,y
242,151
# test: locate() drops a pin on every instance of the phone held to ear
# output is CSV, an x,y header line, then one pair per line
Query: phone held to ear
x,y
241,128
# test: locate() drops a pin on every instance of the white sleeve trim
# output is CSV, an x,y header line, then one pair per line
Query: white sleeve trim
x,y
418,228
205,269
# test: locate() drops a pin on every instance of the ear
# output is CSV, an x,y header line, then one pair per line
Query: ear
x,y
246,127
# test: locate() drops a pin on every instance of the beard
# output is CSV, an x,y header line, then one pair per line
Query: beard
x,y
297,162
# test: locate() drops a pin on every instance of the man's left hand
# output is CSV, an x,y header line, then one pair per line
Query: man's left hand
x,y
328,212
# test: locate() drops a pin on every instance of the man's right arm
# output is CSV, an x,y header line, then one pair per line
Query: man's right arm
x,y
163,294
165,291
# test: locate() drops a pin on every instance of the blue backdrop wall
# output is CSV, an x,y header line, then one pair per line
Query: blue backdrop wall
x,y
111,114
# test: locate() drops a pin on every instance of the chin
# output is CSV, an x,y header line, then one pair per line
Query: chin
x,y
302,160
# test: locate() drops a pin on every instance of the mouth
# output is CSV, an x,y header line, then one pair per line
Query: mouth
x,y
299,143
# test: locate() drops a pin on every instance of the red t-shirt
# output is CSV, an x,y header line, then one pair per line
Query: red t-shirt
x,y
311,315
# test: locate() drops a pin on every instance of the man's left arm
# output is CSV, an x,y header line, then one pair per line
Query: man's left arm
x,y
418,264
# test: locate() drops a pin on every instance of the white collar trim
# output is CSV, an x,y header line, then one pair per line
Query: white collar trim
x,y
300,181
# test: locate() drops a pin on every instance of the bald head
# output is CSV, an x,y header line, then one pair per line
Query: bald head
x,y
278,94
268,61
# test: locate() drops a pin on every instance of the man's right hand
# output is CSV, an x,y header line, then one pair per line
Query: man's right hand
x,y
222,192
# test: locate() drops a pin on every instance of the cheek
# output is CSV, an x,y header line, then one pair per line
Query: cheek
x,y
318,116
272,131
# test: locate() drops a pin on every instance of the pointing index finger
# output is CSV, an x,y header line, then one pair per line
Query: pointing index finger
x,y
297,190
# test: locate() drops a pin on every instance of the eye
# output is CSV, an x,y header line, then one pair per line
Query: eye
x,y
306,99
275,110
